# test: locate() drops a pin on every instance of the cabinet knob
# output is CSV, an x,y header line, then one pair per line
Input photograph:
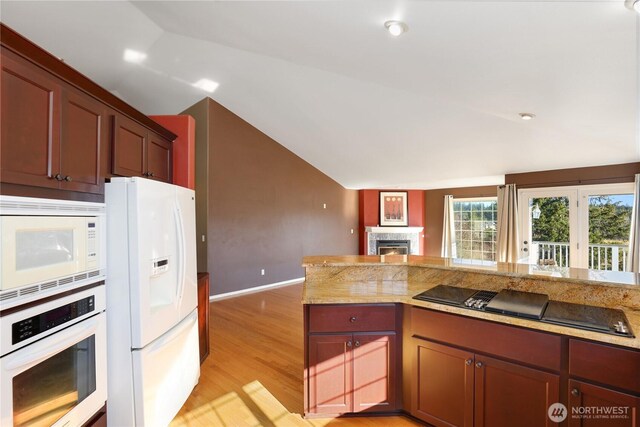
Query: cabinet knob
x,y
349,344
58,177
352,319
357,344
479,364
68,178
145,174
468,362
150,174
575,392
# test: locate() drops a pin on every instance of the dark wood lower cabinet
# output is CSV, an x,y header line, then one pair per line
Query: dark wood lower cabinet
x,y
442,392
203,315
329,374
594,406
350,365
374,361
508,394
452,375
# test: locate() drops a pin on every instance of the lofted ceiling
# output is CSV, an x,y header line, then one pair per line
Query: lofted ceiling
x,y
436,107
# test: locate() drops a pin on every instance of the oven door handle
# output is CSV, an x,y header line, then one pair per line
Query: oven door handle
x,y
33,357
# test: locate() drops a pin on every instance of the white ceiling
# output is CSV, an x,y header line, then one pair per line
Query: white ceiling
x,y
436,107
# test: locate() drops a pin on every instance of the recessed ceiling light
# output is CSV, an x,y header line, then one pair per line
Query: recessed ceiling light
x,y
206,85
396,28
134,56
632,5
527,116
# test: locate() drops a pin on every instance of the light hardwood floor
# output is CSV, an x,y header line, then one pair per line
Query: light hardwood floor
x,y
253,375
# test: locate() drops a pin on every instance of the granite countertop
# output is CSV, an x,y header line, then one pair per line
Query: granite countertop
x,y
368,289
541,272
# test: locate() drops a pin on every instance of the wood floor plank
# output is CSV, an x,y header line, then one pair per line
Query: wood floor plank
x,y
253,375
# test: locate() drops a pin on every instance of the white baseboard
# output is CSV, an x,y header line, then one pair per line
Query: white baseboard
x,y
255,289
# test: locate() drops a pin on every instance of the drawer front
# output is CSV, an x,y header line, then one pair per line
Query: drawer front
x,y
605,364
523,345
352,318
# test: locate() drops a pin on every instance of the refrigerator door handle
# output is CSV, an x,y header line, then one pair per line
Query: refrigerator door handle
x,y
181,252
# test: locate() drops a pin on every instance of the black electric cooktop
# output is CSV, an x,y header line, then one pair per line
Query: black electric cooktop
x,y
599,319
532,306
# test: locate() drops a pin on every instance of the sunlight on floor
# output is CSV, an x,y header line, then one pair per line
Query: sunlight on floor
x,y
233,410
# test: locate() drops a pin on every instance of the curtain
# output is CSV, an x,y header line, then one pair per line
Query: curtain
x,y
633,261
448,230
508,240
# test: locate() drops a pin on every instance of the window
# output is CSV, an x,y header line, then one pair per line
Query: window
x,y
475,227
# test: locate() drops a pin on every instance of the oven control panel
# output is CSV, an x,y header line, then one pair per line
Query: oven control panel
x,y
27,328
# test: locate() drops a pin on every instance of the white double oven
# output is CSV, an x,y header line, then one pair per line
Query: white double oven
x,y
52,311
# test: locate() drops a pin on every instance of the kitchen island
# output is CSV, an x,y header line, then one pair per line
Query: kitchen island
x,y
370,346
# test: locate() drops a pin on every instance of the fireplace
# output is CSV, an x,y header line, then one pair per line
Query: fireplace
x,y
393,247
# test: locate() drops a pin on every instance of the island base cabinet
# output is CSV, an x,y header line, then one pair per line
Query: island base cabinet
x,y
373,365
329,374
454,387
594,406
351,359
508,394
352,373
443,390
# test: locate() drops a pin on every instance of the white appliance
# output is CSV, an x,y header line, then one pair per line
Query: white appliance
x,y
48,246
152,334
53,360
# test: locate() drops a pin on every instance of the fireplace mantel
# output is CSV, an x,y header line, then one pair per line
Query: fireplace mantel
x,y
392,230
411,234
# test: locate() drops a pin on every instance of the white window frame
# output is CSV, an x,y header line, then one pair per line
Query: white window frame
x,y
476,199
578,196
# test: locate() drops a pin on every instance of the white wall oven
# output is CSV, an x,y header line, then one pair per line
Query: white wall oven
x,y
53,359
48,247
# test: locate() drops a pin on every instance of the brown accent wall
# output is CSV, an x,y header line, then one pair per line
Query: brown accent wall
x,y
200,112
577,176
434,212
265,206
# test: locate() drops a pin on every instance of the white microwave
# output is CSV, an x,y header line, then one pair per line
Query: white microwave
x,y
48,246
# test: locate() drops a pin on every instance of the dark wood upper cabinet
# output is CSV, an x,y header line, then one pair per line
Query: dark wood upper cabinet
x,y
158,158
329,374
139,152
128,145
584,395
442,390
55,125
508,394
83,133
30,122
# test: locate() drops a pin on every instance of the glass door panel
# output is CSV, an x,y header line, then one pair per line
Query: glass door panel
x,y
548,233
607,213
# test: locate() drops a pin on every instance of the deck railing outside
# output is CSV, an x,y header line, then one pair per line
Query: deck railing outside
x,y
601,257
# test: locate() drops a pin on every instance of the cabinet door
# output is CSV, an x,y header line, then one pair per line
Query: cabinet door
x,y
374,372
203,315
601,407
442,389
508,395
158,158
30,123
129,143
83,123
330,376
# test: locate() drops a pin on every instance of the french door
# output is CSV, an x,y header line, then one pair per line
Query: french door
x,y
581,226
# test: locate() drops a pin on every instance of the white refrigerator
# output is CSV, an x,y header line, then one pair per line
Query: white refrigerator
x,y
152,320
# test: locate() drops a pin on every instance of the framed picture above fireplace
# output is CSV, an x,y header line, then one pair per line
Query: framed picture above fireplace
x,y
393,209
